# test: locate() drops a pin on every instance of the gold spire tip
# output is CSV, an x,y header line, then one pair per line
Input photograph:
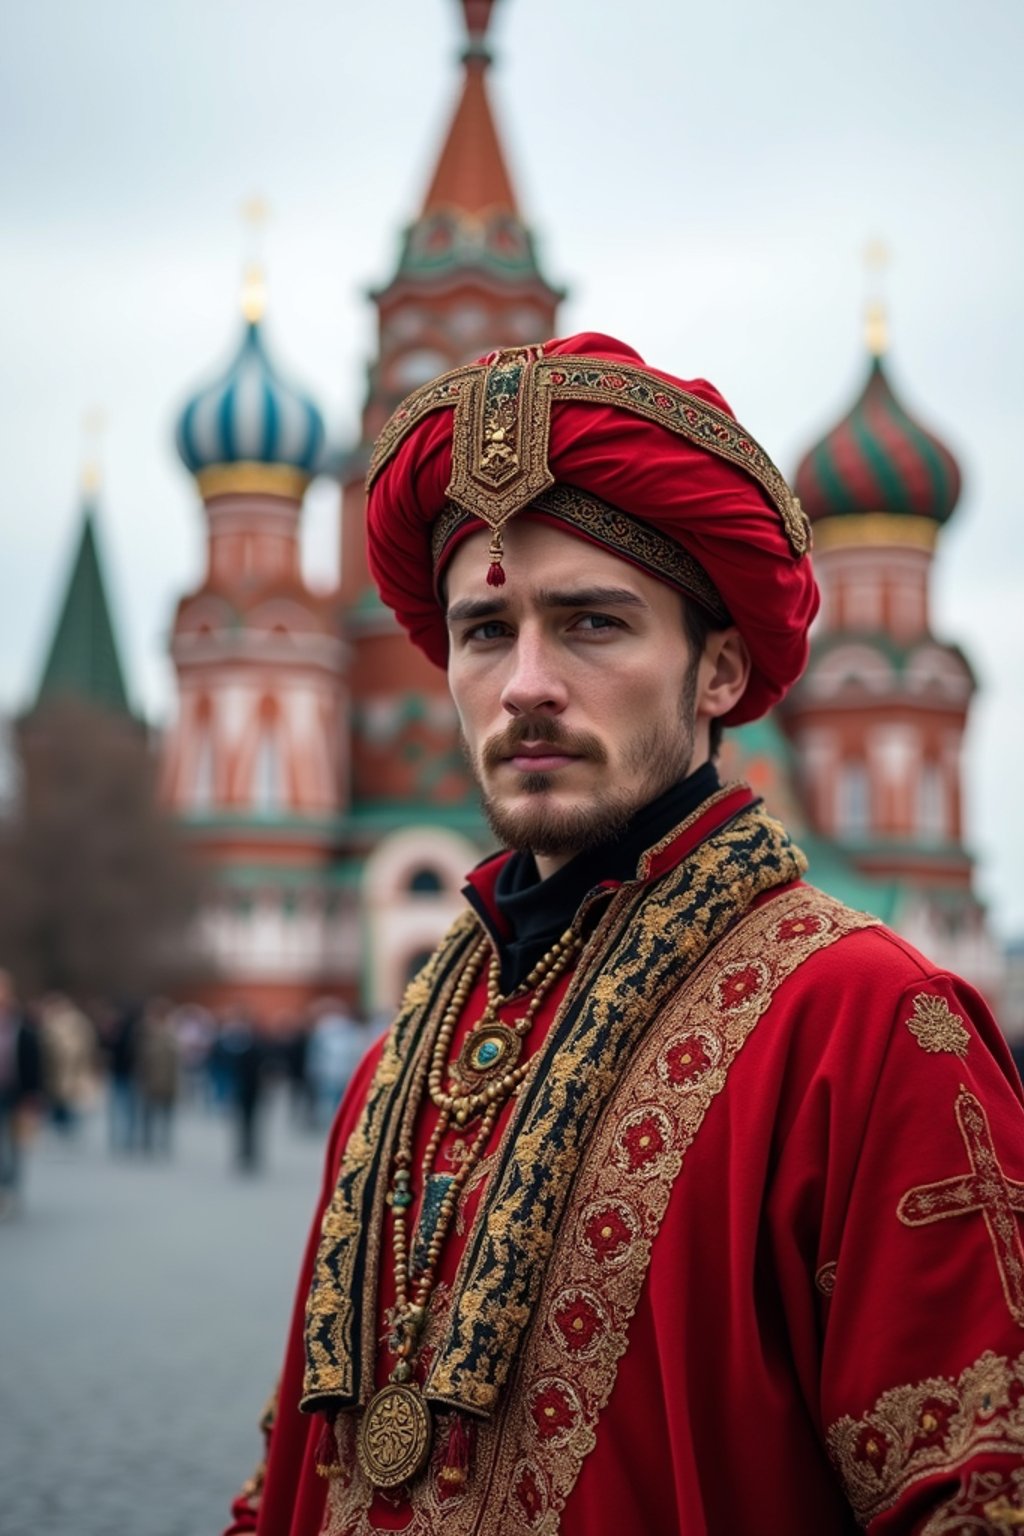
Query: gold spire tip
x,y
877,258
254,293
876,329
93,423
255,214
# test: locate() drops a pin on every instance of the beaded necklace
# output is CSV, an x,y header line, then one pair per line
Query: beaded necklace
x,y
395,1432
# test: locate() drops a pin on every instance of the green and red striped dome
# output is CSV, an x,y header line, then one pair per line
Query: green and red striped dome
x,y
878,459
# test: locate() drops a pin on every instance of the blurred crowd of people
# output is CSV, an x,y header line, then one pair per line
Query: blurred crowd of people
x,y
142,1060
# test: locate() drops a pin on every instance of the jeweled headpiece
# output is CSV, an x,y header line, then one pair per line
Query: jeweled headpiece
x,y
520,430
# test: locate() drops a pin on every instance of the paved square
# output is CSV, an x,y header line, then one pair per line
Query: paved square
x,y
143,1309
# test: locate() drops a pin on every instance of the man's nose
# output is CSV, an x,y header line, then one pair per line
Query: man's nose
x,y
535,682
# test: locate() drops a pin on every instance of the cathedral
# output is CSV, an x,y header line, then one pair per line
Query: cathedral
x,y
313,757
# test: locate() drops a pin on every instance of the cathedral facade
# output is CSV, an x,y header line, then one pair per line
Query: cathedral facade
x,y
314,757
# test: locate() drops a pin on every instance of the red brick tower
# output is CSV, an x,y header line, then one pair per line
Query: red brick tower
x,y
467,281
256,764
878,718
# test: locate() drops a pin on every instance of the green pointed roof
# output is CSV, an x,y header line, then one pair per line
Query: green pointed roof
x,y
83,659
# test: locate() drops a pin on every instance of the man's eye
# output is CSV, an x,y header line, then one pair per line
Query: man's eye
x,y
490,629
596,621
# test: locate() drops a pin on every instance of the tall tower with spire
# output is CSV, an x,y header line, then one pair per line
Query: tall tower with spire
x,y
256,763
467,281
83,660
878,718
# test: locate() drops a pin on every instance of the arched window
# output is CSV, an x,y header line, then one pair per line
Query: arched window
x,y
854,800
203,783
417,366
268,772
931,807
425,881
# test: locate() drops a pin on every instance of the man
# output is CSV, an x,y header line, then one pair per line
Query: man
x,y
20,1089
680,1198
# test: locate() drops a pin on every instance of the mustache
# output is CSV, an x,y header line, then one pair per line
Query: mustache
x,y
541,728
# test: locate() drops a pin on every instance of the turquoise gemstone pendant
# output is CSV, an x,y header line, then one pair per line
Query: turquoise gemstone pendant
x,y
486,1053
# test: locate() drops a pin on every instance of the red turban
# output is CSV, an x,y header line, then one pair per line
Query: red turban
x,y
487,441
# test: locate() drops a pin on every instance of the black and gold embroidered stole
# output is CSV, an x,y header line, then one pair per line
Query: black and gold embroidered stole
x,y
651,937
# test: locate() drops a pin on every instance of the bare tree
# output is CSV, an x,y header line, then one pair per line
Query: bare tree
x,y
96,888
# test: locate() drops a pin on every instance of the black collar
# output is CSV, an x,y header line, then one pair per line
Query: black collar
x,y
532,913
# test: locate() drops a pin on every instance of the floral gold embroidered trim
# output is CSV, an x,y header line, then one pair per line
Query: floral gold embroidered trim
x,y
987,1501
986,1189
340,1318
640,543
634,389
914,1431
502,415
936,1027
649,936
662,931
529,1455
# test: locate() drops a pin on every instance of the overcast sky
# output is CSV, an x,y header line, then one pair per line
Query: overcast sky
x,y
703,178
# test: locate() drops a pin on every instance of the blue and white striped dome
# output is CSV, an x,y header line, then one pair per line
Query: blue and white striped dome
x,y
250,415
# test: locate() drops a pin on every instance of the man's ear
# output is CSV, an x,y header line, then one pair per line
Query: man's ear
x,y
724,673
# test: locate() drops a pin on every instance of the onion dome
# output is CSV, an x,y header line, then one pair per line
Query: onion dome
x,y
250,421
878,459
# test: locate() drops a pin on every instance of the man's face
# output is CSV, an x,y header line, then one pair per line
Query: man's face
x,y
574,686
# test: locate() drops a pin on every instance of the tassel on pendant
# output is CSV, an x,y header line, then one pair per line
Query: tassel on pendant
x,y
328,1463
454,1471
496,553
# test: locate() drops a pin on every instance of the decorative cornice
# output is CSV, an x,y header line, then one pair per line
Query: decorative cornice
x,y
857,530
254,648
249,478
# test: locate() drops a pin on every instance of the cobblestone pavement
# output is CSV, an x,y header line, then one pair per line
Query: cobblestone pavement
x,y
143,1308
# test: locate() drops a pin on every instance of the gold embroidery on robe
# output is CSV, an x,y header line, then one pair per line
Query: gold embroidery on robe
x,y
528,1457
986,1190
991,1497
656,937
330,1309
936,1027
931,1426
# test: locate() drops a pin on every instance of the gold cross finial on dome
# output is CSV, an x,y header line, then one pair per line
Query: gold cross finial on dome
x,y
255,213
93,422
876,319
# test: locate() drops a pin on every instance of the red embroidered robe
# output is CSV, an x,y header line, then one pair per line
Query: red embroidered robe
x,y
787,1297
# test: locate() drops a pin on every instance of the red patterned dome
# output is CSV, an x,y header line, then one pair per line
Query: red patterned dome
x,y
878,459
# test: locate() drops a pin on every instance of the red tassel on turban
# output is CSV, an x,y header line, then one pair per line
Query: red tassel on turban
x,y
512,433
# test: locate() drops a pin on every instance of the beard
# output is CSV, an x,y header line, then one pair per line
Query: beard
x,y
653,760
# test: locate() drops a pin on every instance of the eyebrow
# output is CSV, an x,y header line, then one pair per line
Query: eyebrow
x,y
548,597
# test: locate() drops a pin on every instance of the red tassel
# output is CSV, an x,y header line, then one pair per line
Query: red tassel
x,y
495,551
454,1473
328,1463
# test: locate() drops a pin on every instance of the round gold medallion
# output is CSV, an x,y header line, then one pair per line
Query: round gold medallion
x,y
486,1052
394,1437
